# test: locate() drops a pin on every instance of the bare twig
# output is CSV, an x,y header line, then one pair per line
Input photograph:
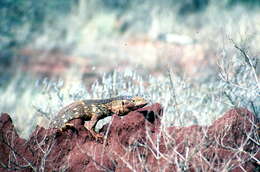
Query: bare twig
x,y
29,164
248,61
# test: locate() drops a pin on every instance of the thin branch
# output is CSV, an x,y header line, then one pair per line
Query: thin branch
x,y
248,62
3,140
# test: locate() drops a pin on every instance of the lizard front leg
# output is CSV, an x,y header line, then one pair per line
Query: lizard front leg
x,y
90,126
66,126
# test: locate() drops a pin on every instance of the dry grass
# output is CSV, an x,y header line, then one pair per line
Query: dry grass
x,y
187,100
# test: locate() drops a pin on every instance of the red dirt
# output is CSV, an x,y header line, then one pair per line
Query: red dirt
x,y
135,143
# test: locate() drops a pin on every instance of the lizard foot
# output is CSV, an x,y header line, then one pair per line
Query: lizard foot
x,y
98,138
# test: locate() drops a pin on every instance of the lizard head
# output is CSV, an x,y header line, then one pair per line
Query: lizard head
x,y
125,105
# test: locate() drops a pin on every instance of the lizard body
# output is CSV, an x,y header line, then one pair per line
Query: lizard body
x,y
91,111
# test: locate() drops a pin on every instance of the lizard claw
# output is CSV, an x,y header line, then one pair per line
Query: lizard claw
x,y
98,137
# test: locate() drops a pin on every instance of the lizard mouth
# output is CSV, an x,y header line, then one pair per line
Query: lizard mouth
x,y
139,102
141,105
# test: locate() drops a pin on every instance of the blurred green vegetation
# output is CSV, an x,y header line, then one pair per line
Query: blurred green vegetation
x,y
248,3
22,20
16,15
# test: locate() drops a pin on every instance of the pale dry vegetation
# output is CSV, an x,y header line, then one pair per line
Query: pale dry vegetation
x,y
228,42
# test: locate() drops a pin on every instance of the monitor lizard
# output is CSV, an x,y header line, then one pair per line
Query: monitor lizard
x,y
93,110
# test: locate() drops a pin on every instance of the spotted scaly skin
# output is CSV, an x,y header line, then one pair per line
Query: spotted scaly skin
x,y
91,111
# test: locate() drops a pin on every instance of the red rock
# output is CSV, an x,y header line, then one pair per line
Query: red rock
x,y
135,142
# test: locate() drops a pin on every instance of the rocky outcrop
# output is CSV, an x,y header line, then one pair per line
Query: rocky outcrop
x,y
136,142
